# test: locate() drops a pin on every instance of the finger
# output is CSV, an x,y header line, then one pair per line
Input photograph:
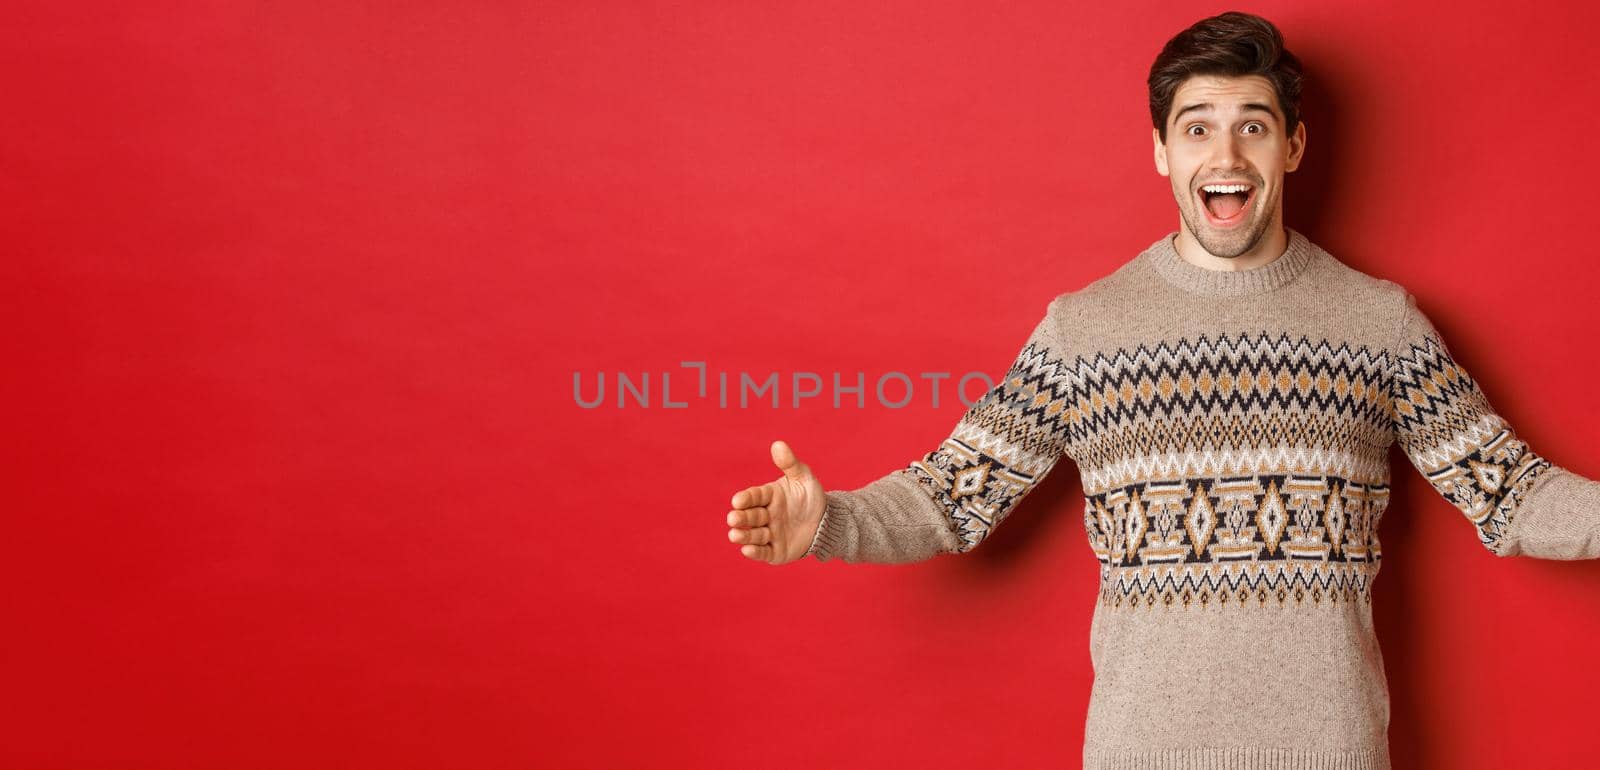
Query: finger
x,y
784,457
750,517
752,497
755,536
757,552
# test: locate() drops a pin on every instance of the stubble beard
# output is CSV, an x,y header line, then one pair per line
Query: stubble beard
x,y
1226,245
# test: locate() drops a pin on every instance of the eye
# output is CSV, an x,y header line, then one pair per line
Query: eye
x,y
1248,126
1191,129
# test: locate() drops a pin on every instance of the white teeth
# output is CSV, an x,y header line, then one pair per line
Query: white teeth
x,y
1225,188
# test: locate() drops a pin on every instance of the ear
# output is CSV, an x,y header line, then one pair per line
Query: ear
x,y
1297,147
1160,150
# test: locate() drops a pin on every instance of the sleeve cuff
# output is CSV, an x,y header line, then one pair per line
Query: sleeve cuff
x,y
1559,518
830,536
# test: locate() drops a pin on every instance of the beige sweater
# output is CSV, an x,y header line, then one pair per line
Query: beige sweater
x,y
1232,432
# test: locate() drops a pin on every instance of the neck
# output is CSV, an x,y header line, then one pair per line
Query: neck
x,y
1264,252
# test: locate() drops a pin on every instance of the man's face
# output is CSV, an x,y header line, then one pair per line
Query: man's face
x,y
1228,130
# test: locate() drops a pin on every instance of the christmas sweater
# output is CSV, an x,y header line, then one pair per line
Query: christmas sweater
x,y
1231,430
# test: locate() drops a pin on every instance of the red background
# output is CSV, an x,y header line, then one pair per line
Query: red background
x,y
294,294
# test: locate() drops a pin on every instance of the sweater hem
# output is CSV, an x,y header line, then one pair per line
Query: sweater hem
x,y
1235,758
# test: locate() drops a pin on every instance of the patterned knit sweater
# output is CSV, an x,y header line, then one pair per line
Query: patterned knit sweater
x,y
1232,430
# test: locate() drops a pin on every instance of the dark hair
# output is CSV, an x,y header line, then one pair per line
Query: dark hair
x,y
1231,44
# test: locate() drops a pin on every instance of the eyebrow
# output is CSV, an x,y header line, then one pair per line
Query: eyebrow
x,y
1248,107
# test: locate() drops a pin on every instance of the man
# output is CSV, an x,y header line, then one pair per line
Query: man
x,y
1229,395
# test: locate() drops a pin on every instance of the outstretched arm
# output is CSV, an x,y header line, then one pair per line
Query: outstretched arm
x,y
951,498
1521,503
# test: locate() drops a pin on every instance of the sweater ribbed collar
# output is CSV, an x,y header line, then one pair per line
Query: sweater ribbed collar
x,y
1163,256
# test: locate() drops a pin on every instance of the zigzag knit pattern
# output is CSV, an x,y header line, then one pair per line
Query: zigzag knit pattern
x,y
1466,451
1231,468
1001,447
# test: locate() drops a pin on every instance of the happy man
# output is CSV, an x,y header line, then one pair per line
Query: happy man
x,y
1229,395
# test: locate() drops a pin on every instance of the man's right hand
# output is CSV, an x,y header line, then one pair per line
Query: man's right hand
x,y
776,521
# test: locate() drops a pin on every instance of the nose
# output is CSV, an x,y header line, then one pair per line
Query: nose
x,y
1225,154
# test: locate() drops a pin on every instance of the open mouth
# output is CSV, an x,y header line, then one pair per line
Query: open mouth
x,y
1226,204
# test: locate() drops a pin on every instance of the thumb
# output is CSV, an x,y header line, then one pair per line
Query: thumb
x,y
785,459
